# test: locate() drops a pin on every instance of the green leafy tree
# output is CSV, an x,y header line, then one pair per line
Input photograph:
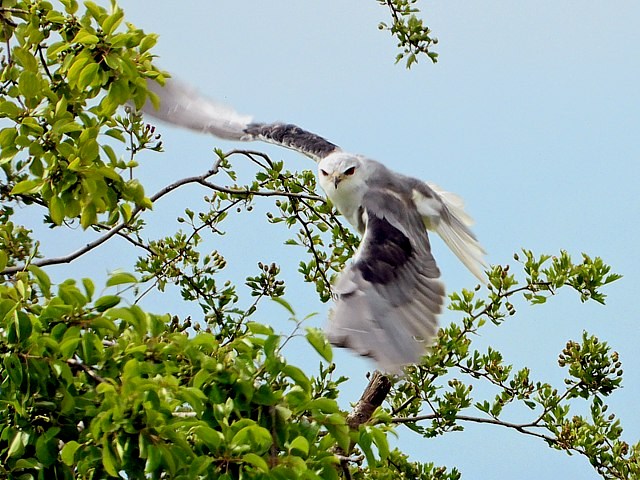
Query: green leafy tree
x,y
94,386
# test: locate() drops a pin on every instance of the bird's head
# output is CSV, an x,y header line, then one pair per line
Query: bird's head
x,y
339,168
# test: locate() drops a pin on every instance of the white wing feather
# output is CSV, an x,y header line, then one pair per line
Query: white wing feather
x,y
181,104
444,214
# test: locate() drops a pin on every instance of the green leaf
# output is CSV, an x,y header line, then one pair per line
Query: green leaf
x,y
257,438
256,461
109,458
380,439
323,404
20,440
365,441
258,328
89,216
14,368
4,259
319,342
86,38
76,67
298,376
212,438
199,466
115,132
7,136
106,302
121,278
96,11
43,280
46,449
299,446
148,42
102,322
65,126
284,303
56,210
69,346
68,452
89,287
26,187
112,21
25,463
336,424
154,459
88,75
29,84
25,58
23,325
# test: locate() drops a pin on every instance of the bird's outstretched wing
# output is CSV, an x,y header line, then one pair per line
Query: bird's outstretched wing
x,y
443,212
388,299
182,105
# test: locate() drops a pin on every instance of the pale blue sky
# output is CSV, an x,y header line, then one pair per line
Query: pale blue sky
x,y
532,115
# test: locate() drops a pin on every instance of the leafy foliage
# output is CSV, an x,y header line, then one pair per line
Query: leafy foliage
x,y
93,386
414,37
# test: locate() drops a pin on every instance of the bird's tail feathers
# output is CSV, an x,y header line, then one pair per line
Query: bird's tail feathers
x,y
182,105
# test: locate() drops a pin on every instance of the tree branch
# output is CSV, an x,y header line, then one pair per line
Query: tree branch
x,y
199,179
522,428
374,394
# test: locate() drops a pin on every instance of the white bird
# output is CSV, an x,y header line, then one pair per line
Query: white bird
x,y
387,300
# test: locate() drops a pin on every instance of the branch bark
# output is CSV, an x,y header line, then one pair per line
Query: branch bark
x,y
372,397
374,394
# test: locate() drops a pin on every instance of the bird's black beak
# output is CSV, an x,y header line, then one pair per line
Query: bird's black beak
x,y
336,181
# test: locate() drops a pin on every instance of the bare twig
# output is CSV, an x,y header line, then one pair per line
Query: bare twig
x,y
44,62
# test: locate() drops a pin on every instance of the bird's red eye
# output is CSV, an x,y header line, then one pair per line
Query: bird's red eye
x,y
324,174
350,171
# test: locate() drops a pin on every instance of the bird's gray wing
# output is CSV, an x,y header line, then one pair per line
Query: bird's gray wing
x,y
388,299
180,104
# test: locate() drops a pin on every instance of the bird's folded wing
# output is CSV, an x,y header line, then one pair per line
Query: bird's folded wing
x,y
388,299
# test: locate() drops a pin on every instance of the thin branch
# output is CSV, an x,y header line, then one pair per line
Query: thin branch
x,y
13,10
199,179
251,154
75,362
405,404
135,242
258,193
487,376
312,247
44,62
522,428
507,294
72,256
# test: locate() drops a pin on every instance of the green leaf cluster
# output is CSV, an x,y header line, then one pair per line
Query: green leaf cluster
x,y
414,37
93,388
64,75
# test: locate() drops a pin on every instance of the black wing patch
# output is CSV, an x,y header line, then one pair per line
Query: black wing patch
x,y
387,250
292,136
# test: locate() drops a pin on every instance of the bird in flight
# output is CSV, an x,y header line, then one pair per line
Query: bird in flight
x,y
387,300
